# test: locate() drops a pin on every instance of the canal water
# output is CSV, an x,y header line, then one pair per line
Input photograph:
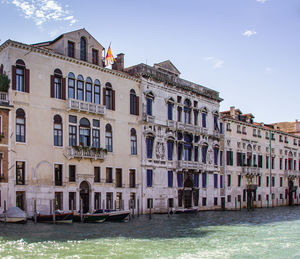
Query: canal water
x,y
263,233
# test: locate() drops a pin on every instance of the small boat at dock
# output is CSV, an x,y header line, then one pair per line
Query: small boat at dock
x,y
14,215
115,215
186,211
91,218
59,217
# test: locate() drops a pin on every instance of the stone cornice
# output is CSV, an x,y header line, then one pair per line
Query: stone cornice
x,y
31,48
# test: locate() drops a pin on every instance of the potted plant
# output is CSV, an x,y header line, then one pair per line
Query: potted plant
x,y
4,83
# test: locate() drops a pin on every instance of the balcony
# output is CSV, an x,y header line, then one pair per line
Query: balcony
x,y
189,165
3,97
291,173
180,126
148,118
211,168
83,106
251,187
171,124
86,152
251,171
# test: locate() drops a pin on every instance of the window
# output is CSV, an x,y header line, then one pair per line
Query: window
x,y
260,161
132,200
97,201
1,171
109,177
109,97
20,173
216,123
187,111
216,155
273,181
229,157
133,142
72,200
109,200
196,180
215,181
108,138
196,113
80,86
187,147
196,153
170,150
228,180
134,103
58,175
97,91
149,105
149,203
215,201
72,133
132,178
58,85
170,110
84,132
95,57
149,178
170,178
267,162
20,77
204,120
204,201
71,85
221,158
239,180
281,181
72,173
96,133
228,128
97,174
204,180
259,181
228,198
179,111
119,181
267,181
58,200
179,180
20,126
58,131
88,90
71,49
149,145
83,48
204,153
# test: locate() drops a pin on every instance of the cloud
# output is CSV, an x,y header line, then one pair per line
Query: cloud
x,y
261,1
217,63
249,33
43,11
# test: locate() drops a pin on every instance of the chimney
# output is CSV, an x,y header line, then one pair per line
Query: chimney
x,y
232,111
119,63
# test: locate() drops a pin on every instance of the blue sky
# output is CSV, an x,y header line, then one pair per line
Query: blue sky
x,y
248,50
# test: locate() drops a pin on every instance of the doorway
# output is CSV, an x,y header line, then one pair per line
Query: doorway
x,y
85,196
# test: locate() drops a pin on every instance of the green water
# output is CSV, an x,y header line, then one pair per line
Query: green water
x,y
263,233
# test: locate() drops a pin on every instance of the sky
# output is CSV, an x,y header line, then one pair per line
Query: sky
x,y
248,50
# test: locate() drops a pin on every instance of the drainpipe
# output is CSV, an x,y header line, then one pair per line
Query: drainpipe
x,y
270,165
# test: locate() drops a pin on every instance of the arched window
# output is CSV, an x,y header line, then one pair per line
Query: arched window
x,y
134,103
149,146
88,90
170,109
204,115
97,91
149,100
83,48
133,142
109,96
58,131
170,149
216,155
187,147
204,152
84,132
71,85
20,126
20,77
187,111
57,85
108,138
80,86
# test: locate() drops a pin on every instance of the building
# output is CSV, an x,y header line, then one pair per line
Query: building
x,y
289,127
71,133
180,140
262,163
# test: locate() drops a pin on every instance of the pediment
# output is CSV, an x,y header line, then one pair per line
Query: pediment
x,y
168,67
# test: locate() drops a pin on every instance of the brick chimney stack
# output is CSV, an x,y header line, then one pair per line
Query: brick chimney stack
x,y
119,63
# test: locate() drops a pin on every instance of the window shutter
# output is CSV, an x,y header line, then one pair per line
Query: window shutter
x,y
27,80
13,77
1,69
113,99
52,86
137,105
63,88
104,100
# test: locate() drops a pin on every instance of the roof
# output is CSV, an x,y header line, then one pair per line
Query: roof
x,y
168,65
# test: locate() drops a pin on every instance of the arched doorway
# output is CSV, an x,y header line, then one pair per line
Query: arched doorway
x,y
85,196
188,188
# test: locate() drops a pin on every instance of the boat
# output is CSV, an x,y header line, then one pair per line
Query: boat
x,y
14,215
91,218
186,210
60,217
115,215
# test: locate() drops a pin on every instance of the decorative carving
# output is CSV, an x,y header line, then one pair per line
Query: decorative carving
x,y
210,156
160,150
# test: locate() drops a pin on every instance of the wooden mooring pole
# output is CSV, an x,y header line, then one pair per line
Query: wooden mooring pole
x,y
138,207
81,212
5,214
53,211
34,212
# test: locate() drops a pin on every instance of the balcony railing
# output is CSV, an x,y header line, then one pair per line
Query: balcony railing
x,y
251,171
148,118
171,123
189,164
83,152
3,97
292,173
86,106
